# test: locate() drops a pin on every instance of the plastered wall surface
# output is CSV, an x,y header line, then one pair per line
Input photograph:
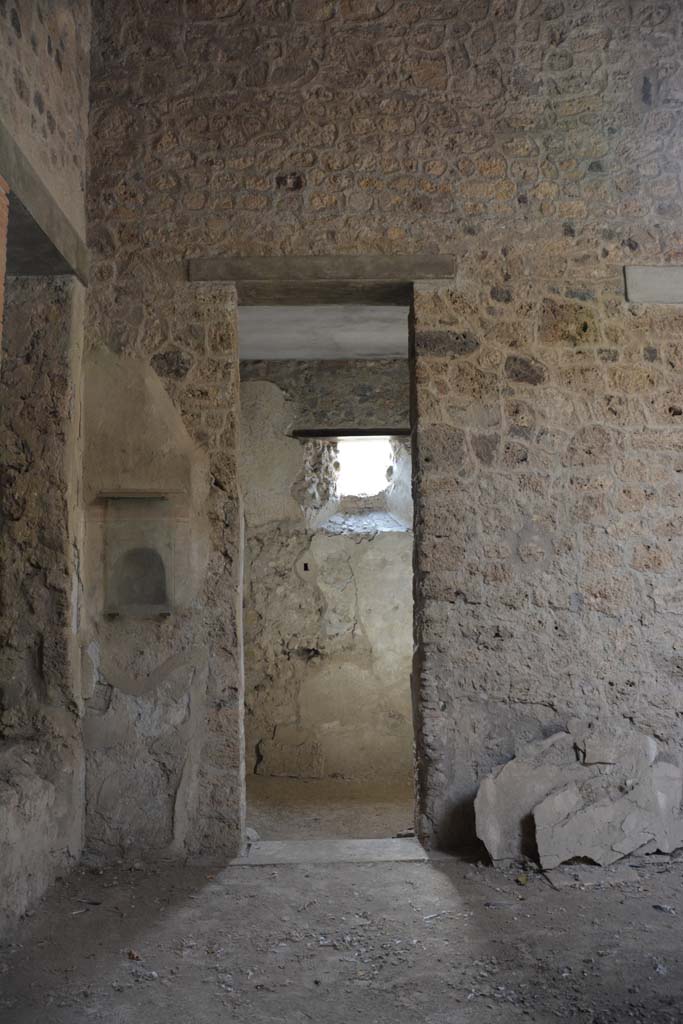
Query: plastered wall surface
x,y
328,618
536,142
146,712
41,761
163,728
44,102
44,79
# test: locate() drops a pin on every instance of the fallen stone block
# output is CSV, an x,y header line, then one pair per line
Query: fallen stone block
x,y
506,798
605,744
595,792
603,823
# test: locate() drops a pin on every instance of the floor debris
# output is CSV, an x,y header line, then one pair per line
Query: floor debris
x,y
440,942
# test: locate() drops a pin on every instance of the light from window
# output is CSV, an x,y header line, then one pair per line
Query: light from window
x,y
363,465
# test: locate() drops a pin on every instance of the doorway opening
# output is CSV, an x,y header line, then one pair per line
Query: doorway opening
x,y
325,470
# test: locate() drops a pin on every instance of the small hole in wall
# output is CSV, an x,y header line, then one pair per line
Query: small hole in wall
x,y
305,566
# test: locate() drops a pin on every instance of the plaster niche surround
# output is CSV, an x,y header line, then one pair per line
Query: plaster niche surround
x,y
139,556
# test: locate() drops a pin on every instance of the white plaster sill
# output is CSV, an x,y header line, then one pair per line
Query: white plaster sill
x,y
364,524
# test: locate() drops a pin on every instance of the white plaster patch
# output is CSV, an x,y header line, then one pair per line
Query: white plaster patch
x,y
654,284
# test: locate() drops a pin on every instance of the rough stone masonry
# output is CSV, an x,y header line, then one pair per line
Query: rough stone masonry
x,y
537,142
554,593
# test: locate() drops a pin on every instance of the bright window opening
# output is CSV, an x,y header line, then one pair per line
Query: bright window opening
x,y
363,465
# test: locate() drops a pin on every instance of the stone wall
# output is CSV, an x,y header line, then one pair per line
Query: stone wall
x,y
41,763
547,528
538,143
44,77
328,643
163,729
529,138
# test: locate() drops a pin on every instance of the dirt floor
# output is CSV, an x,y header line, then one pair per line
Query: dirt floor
x,y
440,942
322,809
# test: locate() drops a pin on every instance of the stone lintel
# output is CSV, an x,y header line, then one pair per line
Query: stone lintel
x,y
323,433
304,280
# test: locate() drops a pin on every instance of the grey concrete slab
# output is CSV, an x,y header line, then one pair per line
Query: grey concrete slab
x,y
30,252
654,284
41,239
323,332
331,851
303,293
341,432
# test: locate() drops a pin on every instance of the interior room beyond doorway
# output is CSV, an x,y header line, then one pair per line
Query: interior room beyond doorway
x,y
326,481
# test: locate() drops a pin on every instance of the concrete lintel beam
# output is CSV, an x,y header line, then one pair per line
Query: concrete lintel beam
x,y
41,240
304,280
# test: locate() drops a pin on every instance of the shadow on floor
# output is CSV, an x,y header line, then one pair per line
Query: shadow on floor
x,y
437,941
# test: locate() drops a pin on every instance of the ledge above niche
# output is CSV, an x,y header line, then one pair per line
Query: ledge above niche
x,y
135,495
